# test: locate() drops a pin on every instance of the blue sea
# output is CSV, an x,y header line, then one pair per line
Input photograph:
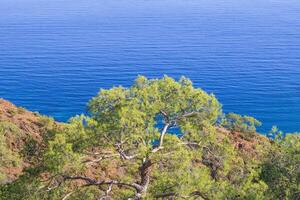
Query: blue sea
x,y
56,54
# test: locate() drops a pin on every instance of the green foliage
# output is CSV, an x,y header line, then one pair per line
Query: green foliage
x,y
244,124
281,169
60,154
23,188
9,129
8,158
131,112
31,150
275,134
127,149
46,122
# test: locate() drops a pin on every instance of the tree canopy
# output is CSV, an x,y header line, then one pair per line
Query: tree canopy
x,y
158,139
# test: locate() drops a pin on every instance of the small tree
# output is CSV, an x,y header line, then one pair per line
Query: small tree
x,y
125,122
244,124
275,134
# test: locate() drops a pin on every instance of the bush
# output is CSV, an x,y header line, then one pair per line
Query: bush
x,y
281,168
45,122
244,124
8,158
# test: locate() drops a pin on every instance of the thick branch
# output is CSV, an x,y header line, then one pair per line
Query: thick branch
x,y
189,114
123,154
91,182
145,178
168,124
162,135
186,115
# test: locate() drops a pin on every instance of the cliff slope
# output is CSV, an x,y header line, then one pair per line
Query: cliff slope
x,y
20,127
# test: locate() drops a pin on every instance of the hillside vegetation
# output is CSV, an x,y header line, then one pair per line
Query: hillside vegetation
x,y
158,139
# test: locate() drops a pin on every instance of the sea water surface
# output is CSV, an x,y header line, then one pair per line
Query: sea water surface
x,y
56,54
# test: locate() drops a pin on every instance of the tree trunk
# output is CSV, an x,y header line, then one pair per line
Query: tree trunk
x,y
145,179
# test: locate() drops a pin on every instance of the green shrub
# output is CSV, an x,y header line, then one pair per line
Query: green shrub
x,y
281,169
46,122
8,158
21,110
244,124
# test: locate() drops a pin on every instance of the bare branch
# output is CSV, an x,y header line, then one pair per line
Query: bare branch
x,y
57,183
93,182
100,159
106,193
83,178
165,115
190,143
191,114
109,189
122,153
161,139
156,149
67,195
186,115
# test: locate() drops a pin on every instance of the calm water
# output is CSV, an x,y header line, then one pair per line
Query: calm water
x,y
56,54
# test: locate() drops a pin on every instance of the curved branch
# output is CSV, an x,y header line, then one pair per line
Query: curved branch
x,y
122,153
164,131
